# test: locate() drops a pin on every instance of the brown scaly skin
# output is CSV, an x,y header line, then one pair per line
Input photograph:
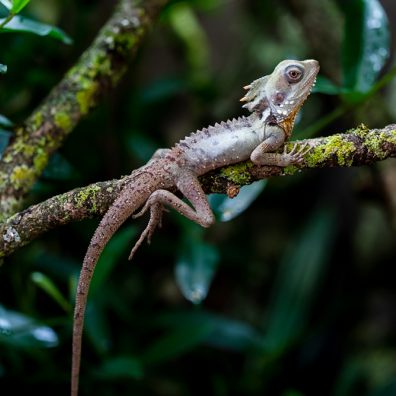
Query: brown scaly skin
x,y
273,100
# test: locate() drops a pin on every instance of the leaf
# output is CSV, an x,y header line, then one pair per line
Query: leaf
x,y
141,146
292,392
111,254
162,89
97,326
120,367
189,30
325,86
6,3
177,342
4,140
227,333
226,208
20,330
196,265
366,43
3,68
5,122
51,289
59,168
18,5
233,335
298,281
350,375
22,24
385,390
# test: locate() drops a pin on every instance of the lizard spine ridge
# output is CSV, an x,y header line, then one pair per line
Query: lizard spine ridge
x,y
213,130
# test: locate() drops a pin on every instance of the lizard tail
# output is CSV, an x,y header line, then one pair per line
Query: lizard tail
x,y
131,198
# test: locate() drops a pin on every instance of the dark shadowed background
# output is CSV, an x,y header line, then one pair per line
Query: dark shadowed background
x,y
294,295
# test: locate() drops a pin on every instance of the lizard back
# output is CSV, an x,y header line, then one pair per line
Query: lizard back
x,y
223,143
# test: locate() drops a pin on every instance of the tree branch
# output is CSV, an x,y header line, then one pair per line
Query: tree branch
x,y
358,147
98,70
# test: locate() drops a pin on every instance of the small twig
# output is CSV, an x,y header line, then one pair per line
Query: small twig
x,y
6,20
360,146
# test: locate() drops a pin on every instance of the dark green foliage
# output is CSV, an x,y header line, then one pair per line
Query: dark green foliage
x,y
296,292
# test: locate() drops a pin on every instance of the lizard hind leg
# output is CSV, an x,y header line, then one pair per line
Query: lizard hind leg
x,y
156,210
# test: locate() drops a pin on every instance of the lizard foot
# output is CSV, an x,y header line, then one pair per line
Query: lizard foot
x,y
296,155
155,221
144,209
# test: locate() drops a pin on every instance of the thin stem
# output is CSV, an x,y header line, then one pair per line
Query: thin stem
x,y
6,20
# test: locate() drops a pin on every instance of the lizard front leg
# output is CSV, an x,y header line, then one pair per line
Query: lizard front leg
x,y
263,154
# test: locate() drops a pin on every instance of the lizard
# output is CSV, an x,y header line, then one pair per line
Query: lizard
x,y
273,101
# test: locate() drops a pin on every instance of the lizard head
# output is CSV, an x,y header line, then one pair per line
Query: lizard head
x,y
284,91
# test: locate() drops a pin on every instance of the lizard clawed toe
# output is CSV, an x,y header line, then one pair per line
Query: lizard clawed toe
x,y
141,211
296,155
155,221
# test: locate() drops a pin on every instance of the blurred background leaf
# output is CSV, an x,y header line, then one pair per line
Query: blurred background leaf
x,y
19,330
4,139
7,4
196,264
51,289
226,208
26,25
299,277
366,43
18,5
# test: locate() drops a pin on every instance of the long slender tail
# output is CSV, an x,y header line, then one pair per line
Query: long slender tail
x,y
131,198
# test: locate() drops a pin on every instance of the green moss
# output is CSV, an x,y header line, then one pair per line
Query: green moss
x,y
360,131
238,173
335,145
128,40
86,194
19,147
391,137
37,120
105,66
86,97
22,177
40,160
375,143
63,121
289,170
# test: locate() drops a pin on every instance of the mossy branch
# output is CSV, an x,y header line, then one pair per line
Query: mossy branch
x,y
97,71
358,147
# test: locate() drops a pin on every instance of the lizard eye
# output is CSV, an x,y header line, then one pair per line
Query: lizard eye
x,y
293,74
